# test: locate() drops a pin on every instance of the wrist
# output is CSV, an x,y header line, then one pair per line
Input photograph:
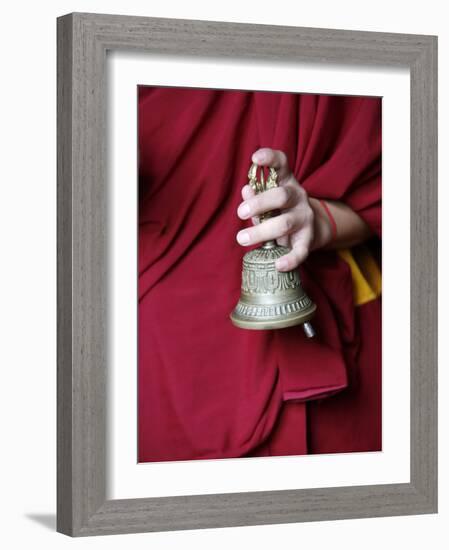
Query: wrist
x,y
324,230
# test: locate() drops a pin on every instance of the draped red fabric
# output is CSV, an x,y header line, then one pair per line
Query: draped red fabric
x,y
206,388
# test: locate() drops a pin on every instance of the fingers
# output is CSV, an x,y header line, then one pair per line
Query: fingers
x,y
274,158
294,225
301,242
278,228
292,260
279,198
247,192
268,230
283,241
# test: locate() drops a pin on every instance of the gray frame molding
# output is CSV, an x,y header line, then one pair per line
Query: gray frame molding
x,y
83,40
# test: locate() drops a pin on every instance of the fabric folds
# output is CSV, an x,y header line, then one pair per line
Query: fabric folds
x,y
206,388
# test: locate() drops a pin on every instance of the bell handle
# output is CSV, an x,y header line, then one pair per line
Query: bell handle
x,y
259,186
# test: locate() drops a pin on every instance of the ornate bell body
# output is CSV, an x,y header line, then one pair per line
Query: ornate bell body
x,y
270,298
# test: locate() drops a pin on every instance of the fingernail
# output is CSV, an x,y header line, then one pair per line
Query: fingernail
x,y
243,237
243,211
281,263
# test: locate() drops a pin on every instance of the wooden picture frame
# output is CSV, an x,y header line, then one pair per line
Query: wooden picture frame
x,y
83,40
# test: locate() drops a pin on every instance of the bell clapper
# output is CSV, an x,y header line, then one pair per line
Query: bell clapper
x,y
308,329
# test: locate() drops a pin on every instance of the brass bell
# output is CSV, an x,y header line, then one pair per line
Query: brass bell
x,y
270,298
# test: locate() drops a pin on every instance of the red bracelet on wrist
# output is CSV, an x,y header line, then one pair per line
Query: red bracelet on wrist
x,y
331,219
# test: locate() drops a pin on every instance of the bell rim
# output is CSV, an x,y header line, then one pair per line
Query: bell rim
x,y
269,324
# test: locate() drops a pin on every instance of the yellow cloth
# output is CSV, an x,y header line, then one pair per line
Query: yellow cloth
x,y
366,275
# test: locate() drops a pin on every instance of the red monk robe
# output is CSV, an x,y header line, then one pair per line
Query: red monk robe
x,y
206,388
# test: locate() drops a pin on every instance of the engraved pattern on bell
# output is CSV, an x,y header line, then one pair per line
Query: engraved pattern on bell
x,y
260,275
270,298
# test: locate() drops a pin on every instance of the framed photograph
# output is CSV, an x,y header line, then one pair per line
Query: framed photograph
x,y
247,274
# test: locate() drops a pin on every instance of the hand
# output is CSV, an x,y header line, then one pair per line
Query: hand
x,y
293,227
